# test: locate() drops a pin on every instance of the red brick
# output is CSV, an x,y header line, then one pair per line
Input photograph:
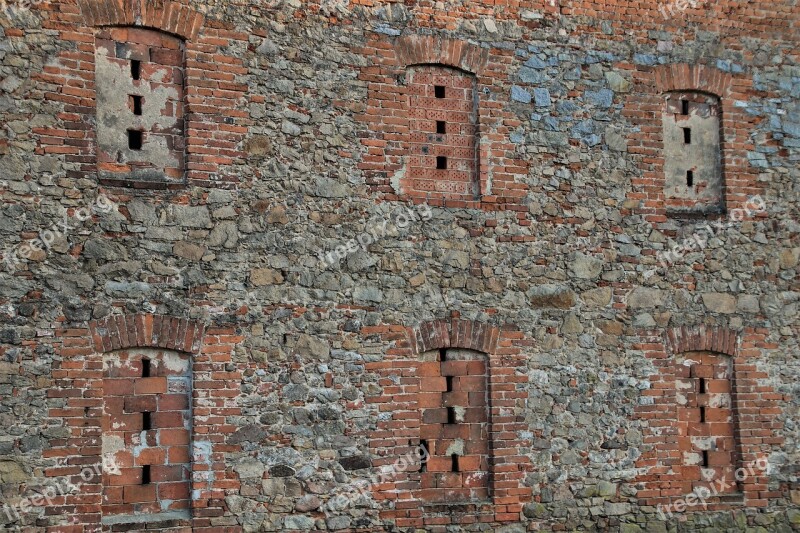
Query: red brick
x,y
153,385
173,490
139,493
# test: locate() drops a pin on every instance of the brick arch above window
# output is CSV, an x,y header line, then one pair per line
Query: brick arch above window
x,y
168,16
702,339
455,333
430,50
147,331
685,77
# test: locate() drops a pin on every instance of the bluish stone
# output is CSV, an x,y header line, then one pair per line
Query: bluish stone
x,y
602,98
792,129
517,138
528,75
644,59
541,97
551,123
566,107
536,117
582,129
387,30
591,140
518,94
535,62
573,74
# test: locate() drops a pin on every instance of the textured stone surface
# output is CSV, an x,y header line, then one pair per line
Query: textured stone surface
x,y
302,386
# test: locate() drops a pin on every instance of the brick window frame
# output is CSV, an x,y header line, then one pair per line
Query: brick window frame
x,y
215,124
753,402
644,108
77,403
386,123
399,435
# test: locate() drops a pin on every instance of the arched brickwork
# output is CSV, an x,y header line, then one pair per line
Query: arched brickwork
x,y
390,123
496,353
683,357
147,331
429,49
165,15
685,77
212,113
456,333
645,108
701,339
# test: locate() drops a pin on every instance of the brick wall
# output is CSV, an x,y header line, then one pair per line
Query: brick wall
x,y
212,119
442,134
712,191
146,432
488,485
706,434
454,431
483,171
736,429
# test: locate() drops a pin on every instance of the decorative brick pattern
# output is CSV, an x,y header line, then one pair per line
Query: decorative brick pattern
x,y
489,483
738,428
146,433
442,133
140,99
396,165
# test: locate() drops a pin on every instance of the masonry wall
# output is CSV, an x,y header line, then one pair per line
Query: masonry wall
x,y
299,272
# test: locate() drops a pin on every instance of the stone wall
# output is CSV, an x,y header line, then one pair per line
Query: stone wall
x,y
307,281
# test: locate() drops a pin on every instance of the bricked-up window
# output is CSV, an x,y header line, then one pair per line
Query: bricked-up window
x,y
692,153
454,426
140,106
442,107
706,437
146,434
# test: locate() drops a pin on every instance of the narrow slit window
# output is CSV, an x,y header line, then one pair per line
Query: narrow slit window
x,y
147,423
438,91
146,475
442,355
135,139
441,162
454,465
702,414
451,415
449,380
426,452
705,458
136,104
145,368
687,135
441,127
689,178
136,69
702,385
684,107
